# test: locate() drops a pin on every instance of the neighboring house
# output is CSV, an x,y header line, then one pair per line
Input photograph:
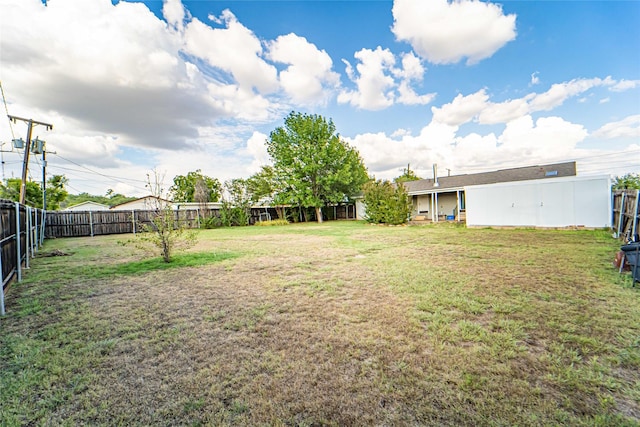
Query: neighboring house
x,y
147,203
87,206
443,198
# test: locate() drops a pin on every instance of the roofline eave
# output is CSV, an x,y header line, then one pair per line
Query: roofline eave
x,y
435,190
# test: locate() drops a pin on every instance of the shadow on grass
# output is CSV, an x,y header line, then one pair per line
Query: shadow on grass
x,y
177,261
71,271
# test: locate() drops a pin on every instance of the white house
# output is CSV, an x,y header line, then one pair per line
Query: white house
x,y
147,203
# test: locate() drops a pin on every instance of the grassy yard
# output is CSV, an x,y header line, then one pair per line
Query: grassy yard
x,y
335,324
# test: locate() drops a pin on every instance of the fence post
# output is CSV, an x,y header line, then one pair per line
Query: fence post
x,y
30,233
133,220
43,226
91,223
635,215
18,249
621,215
35,230
27,246
2,312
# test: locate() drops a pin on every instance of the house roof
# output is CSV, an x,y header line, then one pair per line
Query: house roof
x,y
425,186
141,199
87,203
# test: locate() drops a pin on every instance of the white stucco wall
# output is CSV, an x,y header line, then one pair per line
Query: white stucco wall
x,y
552,202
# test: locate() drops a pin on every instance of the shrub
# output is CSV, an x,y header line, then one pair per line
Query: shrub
x,y
386,203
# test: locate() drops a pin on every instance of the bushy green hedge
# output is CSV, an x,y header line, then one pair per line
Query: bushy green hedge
x,y
386,203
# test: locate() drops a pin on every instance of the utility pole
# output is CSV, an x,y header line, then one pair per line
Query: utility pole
x,y
44,174
44,178
27,146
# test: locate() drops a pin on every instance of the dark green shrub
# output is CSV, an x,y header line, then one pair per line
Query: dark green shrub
x,y
386,203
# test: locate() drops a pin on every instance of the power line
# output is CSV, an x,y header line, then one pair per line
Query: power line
x,y
99,173
6,109
55,167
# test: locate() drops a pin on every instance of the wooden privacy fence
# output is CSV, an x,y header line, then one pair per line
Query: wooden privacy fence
x,y
21,234
626,213
96,223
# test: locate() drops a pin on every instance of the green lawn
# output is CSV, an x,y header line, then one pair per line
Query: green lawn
x,y
341,324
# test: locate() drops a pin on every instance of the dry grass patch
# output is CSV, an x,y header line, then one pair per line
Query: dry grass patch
x,y
340,324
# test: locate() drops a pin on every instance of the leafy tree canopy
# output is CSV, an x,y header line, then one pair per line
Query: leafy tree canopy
x,y
407,175
628,181
262,184
195,187
312,164
56,192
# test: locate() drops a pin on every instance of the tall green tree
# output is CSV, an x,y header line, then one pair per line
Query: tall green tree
x,y
184,188
313,165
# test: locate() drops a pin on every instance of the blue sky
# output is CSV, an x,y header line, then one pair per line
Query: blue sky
x,y
185,85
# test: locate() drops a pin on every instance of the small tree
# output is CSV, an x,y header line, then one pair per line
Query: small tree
x,y
265,184
236,207
163,232
386,203
407,175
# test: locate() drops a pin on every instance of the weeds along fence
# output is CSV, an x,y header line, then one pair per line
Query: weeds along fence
x,y
21,234
626,213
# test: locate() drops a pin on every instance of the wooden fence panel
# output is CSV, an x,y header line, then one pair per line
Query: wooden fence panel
x,y
21,233
626,213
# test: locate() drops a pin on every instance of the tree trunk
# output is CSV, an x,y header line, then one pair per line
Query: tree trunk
x,y
319,213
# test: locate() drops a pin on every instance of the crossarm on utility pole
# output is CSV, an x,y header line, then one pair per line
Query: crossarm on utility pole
x,y
27,147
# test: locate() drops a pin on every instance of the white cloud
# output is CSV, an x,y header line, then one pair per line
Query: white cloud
x,y
412,70
462,109
374,85
308,79
605,100
523,142
257,149
503,112
477,106
234,49
445,32
67,58
560,92
534,78
627,127
175,13
623,85
548,138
